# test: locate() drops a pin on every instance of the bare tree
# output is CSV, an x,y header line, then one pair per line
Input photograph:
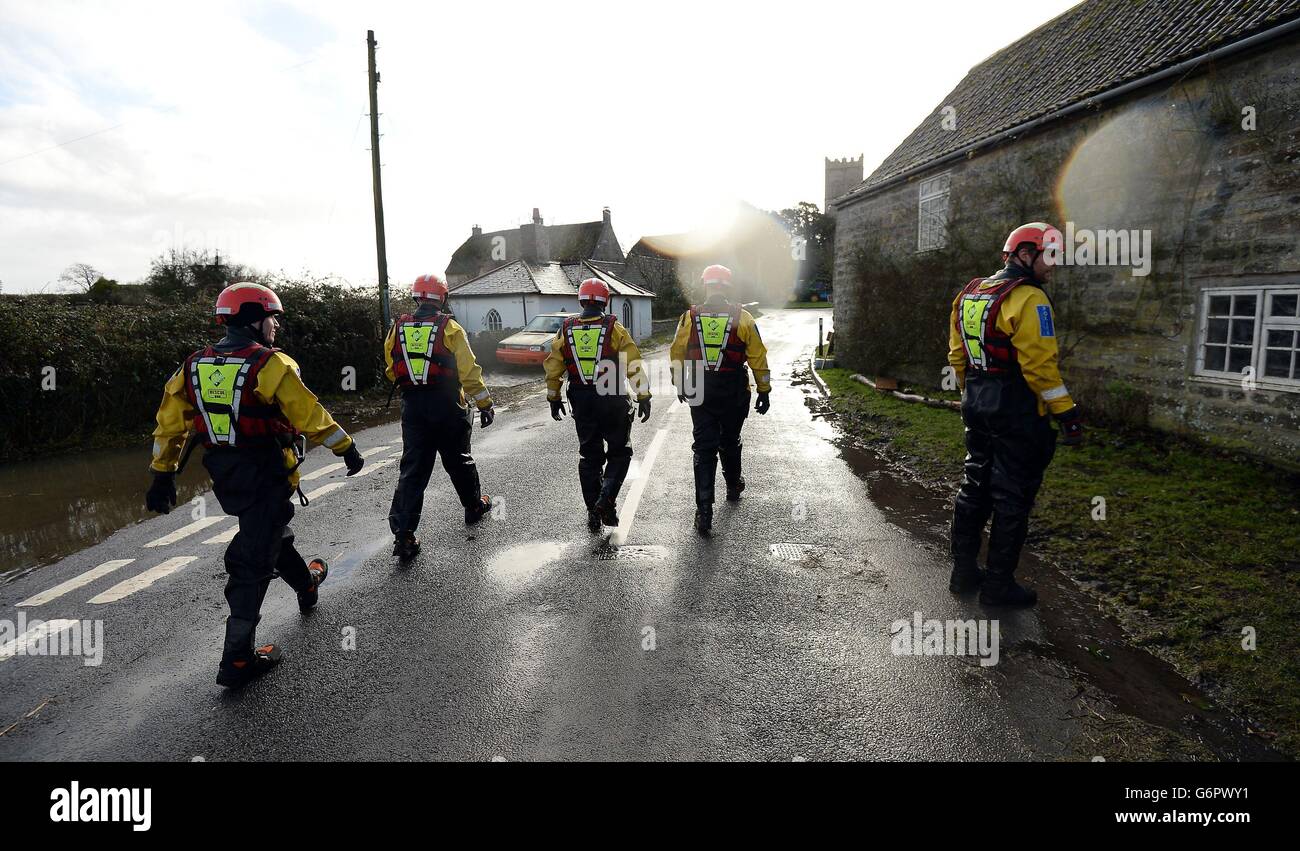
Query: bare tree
x,y
80,277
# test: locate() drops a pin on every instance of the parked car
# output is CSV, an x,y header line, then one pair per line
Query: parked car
x,y
532,344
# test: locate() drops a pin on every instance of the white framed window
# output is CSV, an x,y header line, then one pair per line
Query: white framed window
x,y
1251,331
492,321
932,207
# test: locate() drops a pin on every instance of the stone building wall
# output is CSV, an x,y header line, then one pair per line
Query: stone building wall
x,y
1221,202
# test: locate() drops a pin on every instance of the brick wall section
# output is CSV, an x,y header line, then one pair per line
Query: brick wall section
x,y
1223,205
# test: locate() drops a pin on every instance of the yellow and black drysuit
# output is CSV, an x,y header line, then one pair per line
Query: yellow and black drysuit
x,y
1002,346
429,359
246,403
714,345
599,357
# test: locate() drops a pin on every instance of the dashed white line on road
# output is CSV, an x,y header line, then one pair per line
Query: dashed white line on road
x,y
323,471
37,633
324,489
186,531
76,582
139,582
225,537
370,468
330,468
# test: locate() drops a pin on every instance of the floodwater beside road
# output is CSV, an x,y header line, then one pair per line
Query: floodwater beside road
x,y
55,506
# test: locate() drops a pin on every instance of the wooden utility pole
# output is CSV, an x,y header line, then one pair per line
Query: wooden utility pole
x,y
380,246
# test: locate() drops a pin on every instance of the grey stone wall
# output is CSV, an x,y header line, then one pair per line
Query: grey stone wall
x,y
1221,202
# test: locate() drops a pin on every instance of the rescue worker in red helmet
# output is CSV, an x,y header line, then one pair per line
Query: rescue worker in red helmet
x,y
598,354
714,343
244,400
429,358
1002,345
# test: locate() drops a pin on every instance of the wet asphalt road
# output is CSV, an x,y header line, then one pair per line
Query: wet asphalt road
x,y
527,638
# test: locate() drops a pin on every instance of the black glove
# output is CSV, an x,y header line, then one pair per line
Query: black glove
x,y
681,397
1071,423
354,460
486,416
557,409
764,402
161,495
643,408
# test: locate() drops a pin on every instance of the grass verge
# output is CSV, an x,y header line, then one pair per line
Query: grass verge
x,y
1197,548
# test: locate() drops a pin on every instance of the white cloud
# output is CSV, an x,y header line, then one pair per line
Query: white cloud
x,y
240,121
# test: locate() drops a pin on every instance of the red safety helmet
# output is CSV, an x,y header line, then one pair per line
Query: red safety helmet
x,y
593,289
1041,235
247,302
429,286
716,275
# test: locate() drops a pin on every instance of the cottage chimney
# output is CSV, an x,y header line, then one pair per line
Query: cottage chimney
x,y
534,247
604,214
478,231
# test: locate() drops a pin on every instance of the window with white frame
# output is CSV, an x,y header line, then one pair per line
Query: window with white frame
x,y
932,221
492,320
1255,328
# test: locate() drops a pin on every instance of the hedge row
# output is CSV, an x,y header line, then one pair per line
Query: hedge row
x,y
72,373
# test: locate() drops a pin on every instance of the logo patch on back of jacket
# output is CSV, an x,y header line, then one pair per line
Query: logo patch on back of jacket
x,y
1045,327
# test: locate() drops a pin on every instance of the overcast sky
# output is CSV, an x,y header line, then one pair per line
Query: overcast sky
x,y
241,126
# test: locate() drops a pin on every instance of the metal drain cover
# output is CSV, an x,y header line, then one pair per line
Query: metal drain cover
x,y
795,552
628,553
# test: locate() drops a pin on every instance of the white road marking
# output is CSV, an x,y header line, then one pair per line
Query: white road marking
x,y
370,468
127,587
76,582
43,630
323,471
330,468
186,531
324,489
638,487
225,537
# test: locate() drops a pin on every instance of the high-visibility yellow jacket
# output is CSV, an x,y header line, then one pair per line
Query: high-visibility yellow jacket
x,y
1033,338
471,374
278,383
755,350
620,341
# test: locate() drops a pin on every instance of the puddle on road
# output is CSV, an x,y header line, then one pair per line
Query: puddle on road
x,y
349,559
1138,683
522,562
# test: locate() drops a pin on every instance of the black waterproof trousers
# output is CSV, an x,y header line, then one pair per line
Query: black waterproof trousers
x,y
1008,448
604,424
433,424
253,485
716,422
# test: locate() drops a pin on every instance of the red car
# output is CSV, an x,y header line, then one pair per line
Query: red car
x,y
532,344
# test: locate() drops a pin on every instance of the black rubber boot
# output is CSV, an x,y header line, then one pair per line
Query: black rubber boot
x,y
476,513
593,520
965,577
307,599
734,489
240,672
1003,590
704,519
607,510
406,546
